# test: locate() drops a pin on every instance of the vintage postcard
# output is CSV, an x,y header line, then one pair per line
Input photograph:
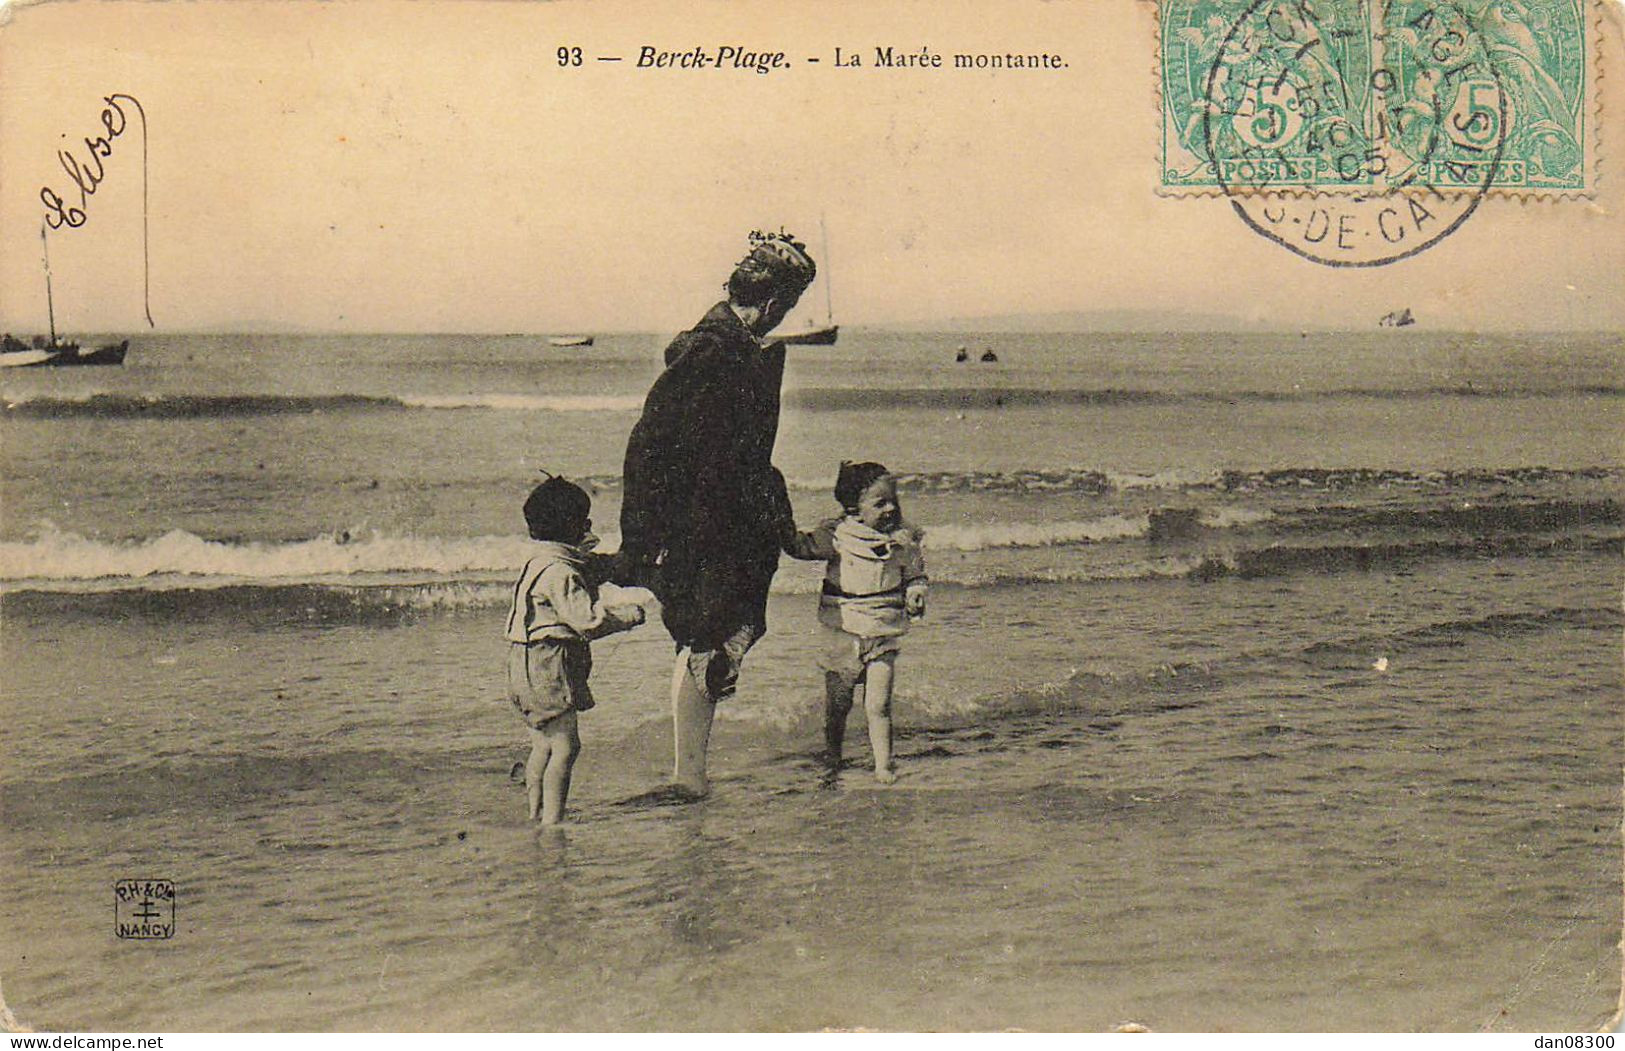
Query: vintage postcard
x,y
586,516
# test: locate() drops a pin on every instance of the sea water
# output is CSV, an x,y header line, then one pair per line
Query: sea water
x,y
1268,682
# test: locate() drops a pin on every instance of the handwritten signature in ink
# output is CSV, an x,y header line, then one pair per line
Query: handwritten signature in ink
x,y
58,211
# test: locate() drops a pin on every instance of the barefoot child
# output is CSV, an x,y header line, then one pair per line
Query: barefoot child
x,y
556,614
874,585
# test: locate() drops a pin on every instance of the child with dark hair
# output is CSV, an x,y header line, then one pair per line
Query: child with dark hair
x,y
556,614
874,585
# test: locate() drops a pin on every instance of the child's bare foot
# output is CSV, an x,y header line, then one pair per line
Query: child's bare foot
x,y
886,775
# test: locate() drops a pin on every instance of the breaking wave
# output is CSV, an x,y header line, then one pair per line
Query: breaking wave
x,y
70,557
62,556
1306,479
483,581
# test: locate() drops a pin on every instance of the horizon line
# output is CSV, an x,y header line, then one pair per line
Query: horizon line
x,y
896,327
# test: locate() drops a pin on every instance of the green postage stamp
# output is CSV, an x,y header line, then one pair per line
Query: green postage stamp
x,y
1369,96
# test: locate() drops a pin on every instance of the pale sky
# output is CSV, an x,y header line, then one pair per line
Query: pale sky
x,y
385,166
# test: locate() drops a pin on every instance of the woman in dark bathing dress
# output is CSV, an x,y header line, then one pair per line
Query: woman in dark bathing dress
x,y
704,509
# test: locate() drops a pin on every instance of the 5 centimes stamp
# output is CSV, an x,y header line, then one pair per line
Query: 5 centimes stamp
x,y
1265,92
1314,86
144,909
1356,133
1462,78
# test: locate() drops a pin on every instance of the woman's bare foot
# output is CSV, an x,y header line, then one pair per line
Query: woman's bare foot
x,y
886,775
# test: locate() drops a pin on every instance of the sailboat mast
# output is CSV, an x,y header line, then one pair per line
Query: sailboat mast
x,y
829,298
50,305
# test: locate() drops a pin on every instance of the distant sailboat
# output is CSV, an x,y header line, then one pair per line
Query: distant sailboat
x,y
15,353
38,351
569,341
1397,319
814,334
812,337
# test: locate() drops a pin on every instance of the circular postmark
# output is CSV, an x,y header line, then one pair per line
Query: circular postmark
x,y
1355,134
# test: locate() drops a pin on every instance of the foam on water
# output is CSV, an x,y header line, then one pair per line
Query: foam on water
x,y
1202,543
1233,517
987,536
53,554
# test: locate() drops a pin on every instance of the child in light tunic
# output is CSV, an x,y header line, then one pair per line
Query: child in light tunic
x,y
556,614
874,585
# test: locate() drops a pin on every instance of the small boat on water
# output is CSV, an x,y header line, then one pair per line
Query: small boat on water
x,y
812,337
14,353
813,334
40,351
1397,319
569,341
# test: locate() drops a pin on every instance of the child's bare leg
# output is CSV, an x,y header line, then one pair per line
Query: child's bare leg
x,y
837,704
564,744
877,706
540,749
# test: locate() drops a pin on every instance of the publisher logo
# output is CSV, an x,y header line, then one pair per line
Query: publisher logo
x,y
144,909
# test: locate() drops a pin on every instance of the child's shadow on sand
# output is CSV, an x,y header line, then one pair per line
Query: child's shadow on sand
x,y
661,796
